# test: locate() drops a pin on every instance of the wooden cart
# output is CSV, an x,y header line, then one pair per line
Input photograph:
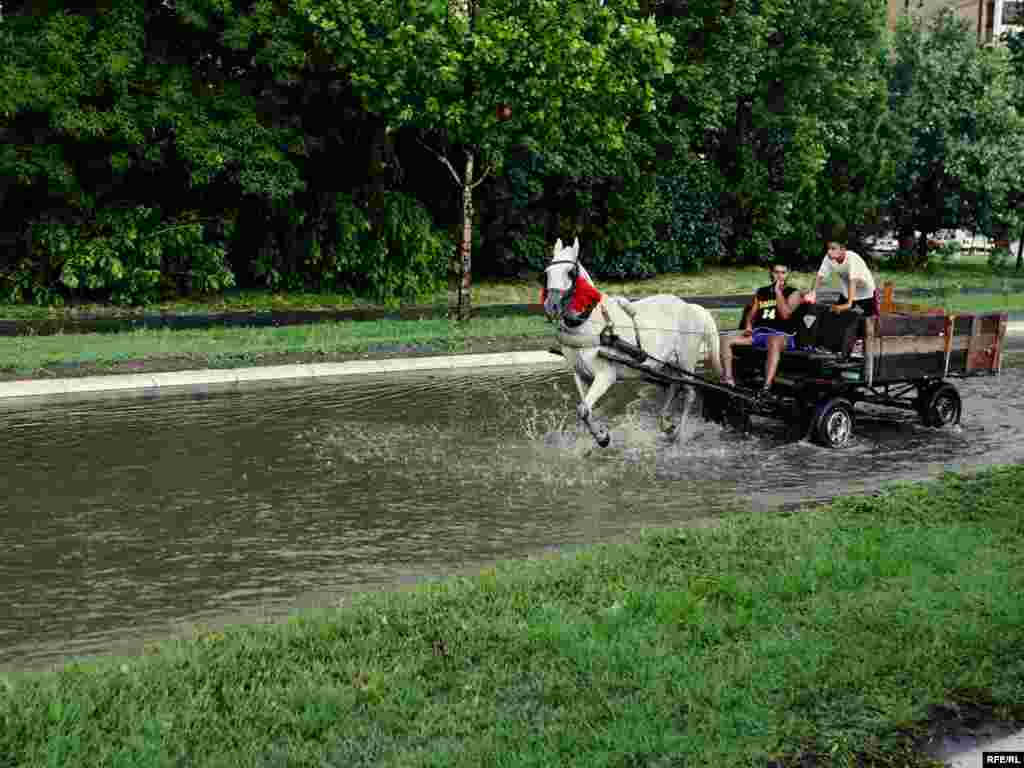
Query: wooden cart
x,y
903,358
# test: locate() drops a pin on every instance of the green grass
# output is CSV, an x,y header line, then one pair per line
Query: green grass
x,y
828,632
245,346
973,271
227,347
241,346
234,347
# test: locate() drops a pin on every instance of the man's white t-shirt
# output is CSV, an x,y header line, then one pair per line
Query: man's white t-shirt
x,y
852,268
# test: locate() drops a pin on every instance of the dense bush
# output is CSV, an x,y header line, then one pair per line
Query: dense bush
x,y
400,256
129,255
668,136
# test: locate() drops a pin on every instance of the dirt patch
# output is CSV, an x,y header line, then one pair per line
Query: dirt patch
x,y
199,362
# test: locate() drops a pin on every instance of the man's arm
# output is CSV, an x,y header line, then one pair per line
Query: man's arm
x,y
811,296
848,304
786,304
748,323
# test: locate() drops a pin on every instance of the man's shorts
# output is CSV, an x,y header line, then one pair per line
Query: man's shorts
x,y
760,337
868,306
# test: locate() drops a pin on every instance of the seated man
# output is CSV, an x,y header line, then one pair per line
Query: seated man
x,y
769,325
856,282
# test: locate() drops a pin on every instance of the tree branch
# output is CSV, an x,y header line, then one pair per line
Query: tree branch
x,y
479,181
443,159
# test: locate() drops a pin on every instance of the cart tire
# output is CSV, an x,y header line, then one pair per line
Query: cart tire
x,y
941,406
833,422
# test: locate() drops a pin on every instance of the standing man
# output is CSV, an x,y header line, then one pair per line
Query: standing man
x,y
857,284
768,325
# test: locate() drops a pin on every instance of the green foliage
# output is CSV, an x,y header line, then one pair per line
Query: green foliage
x,y
574,72
657,225
959,138
399,257
1000,261
119,254
688,231
769,92
23,284
626,244
530,248
669,135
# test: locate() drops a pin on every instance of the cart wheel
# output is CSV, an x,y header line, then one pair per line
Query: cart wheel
x,y
833,422
940,406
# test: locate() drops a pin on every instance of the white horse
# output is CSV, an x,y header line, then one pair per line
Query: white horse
x,y
670,330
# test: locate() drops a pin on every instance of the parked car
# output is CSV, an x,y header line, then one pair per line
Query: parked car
x,y
968,241
885,243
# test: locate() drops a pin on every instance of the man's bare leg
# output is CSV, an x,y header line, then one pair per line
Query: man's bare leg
x,y
776,345
727,345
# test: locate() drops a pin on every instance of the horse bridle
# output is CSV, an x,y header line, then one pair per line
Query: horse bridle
x,y
572,321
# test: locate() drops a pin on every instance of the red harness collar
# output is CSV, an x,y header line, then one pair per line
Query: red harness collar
x,y
585,297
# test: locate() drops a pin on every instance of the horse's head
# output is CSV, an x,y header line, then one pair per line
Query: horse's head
x,y
567,293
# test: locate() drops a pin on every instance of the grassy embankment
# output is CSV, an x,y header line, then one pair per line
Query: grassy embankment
x,y
825,634
231,347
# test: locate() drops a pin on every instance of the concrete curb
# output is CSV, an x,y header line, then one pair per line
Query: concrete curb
x,y
159,382
237,376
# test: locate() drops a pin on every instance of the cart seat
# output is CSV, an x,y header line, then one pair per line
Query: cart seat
x,y
821,330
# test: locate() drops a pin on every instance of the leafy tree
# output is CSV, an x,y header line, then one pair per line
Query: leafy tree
x,y
480,79
1015,46
122,103
960,137
763,89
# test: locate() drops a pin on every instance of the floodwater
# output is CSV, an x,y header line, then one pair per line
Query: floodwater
x,y
125,520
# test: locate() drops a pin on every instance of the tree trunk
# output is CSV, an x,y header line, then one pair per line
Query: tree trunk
x,y
460,266
1020,251
922,250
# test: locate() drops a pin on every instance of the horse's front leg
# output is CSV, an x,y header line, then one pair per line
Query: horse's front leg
x,y
665,420
603,379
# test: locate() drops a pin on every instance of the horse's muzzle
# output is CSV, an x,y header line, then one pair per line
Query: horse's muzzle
x,y
554,305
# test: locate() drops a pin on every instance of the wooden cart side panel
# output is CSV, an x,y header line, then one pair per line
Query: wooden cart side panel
x,y
915,346
919,345
948,346
984,352
911,325
871,348
997,361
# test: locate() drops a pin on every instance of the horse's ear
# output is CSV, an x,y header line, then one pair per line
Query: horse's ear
x,y
576,249
558,246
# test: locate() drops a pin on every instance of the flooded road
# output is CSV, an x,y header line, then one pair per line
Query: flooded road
x,y
125,520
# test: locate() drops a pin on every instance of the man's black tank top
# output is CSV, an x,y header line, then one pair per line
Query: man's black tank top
x,y
768,314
